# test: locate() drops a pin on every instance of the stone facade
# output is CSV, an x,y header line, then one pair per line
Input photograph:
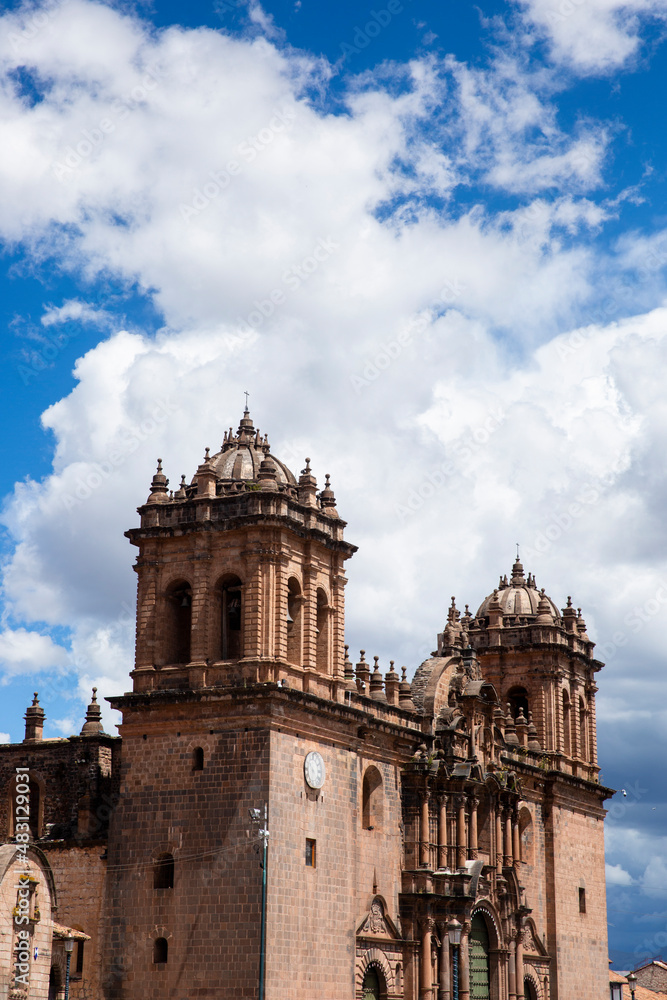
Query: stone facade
x,y
399,815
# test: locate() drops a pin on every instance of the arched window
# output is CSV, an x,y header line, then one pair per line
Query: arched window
x,y
163,872
322,658
372,800
198,759
178,623
567,735
294,603
160,951
518,700
583,741
478,952
526,836
232,619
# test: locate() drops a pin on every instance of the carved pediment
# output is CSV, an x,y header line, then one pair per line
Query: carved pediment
x,y
532,944
376,923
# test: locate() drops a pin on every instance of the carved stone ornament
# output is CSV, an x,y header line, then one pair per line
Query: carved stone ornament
x,y
375,922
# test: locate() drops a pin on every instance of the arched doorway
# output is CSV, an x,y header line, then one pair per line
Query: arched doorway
x,y
370,989
478,950
529,990
55,982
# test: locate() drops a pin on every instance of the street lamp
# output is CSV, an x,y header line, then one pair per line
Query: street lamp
x,y
454,931
632,983
69,945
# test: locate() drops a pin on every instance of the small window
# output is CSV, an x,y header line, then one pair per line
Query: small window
x,y
582,901
163,872
78,959
160,951
198,759
311,853
371,807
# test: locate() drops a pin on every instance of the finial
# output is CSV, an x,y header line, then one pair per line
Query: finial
x,y
206,454
362,653
569,602
404,673
306,471
327,477
159,465
376,658
246,394
35,699
93,721
517,551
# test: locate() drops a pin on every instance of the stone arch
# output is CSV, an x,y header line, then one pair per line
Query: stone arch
x,y
295,601
518,697
323,630
486,909
488,914
177,630
582,734
230,617
567,722
56,977
531,981
375,958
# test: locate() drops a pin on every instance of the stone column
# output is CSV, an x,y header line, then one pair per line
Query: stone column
x,y
425,968
474,802
442,831
512,971
516,843
464,963
507,846
499,837
424,833
519,966
461,848
445,966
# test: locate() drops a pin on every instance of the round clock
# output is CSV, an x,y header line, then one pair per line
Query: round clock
x,y
313,769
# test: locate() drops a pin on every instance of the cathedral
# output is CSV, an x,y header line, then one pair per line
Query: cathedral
x,y
276,821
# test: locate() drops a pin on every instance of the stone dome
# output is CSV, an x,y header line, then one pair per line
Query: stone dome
x,y
518,596
242,454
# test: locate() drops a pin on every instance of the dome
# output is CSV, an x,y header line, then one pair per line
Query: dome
x,y
519,596
242,454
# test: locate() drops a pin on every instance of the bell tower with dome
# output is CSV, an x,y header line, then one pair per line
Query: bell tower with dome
x,y
540,660
241,574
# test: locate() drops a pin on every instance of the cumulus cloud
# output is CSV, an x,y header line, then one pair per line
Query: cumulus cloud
x,y
616,875
593,36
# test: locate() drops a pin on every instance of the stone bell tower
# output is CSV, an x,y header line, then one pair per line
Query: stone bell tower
x,y
240,574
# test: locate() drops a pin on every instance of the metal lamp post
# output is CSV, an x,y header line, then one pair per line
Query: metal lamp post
x,y
632,983
69,946
454,931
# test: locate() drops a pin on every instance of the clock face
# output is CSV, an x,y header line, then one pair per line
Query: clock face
x,y
313,769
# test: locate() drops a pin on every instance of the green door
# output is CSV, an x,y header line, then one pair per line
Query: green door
x,y
479,960
371,987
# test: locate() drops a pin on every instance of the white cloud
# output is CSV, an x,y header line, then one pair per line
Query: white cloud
x,y
74,310
593,36
28,652
616,875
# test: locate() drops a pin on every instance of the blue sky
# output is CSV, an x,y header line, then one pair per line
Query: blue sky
x,y
488,183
